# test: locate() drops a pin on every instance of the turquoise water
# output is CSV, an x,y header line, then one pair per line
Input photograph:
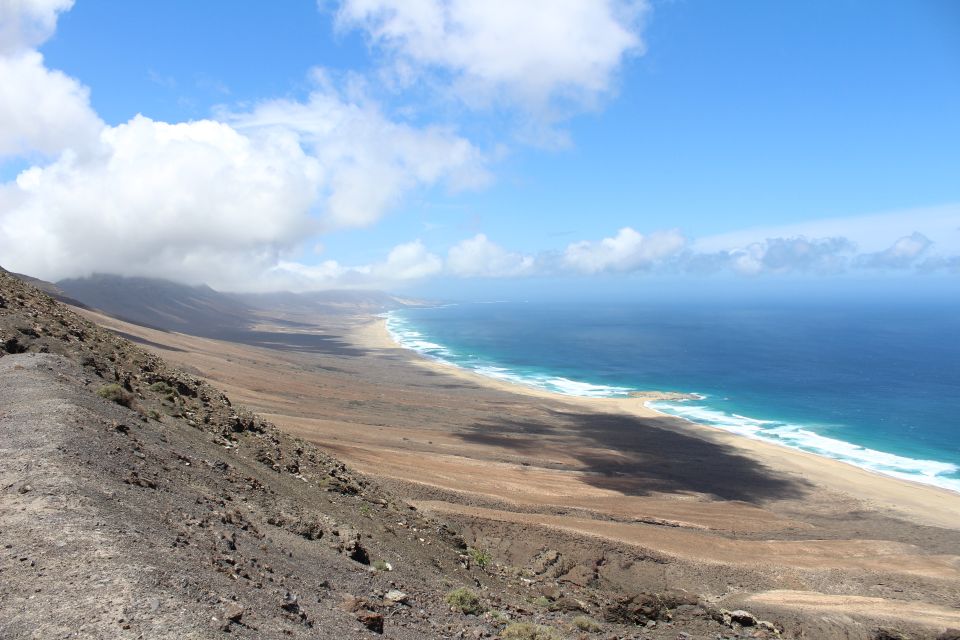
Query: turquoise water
x,y
875,385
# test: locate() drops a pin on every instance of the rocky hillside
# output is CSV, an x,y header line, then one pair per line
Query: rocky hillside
x,y
137,501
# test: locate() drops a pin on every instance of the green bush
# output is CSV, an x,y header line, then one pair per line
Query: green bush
x,y
162,388
583,623
115,393
465,601
527,631
480,557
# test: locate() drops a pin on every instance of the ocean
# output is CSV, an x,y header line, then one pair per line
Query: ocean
x,y
874,384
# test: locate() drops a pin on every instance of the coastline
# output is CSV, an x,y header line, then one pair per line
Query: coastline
x,y
924,503
627,497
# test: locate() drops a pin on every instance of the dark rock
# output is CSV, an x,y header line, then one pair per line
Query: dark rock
x,y
233,612
545,560
743,618
949,634
350,546
635,609
291,603
886,633
371,620
567,604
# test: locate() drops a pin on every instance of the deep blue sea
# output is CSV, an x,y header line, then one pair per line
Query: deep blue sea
x,y
873,384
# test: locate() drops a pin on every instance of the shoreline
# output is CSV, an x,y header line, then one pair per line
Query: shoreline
x,y
930,504
624,495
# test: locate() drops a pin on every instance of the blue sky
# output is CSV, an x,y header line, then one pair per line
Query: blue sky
x,y
366,143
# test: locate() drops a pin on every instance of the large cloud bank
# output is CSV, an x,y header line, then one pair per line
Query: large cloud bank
x,y
223,201
233,200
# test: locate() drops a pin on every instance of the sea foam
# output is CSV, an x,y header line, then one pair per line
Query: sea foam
x,y
794,436
406,336
801,437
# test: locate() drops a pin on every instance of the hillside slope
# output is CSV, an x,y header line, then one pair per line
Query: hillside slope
x,y
138,502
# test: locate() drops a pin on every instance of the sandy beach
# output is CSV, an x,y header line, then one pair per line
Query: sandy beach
x,y
921,503
623,494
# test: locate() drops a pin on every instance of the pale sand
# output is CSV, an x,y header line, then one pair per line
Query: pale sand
x,y
921,503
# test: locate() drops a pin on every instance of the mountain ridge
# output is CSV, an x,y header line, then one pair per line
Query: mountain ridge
x,y
201,310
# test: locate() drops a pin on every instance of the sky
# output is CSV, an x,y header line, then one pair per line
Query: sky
x,y
444,146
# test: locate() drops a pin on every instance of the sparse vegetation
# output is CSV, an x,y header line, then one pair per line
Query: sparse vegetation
x,y
527,631
584,623
499,617
115,393
542,601
480,557
465,601
381,565
163,388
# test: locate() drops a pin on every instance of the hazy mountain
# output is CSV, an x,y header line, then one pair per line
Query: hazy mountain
x,y
161,304
334,301
203,311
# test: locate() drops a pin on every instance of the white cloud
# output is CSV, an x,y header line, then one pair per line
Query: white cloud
x,y
193,201
26,24
871,233
625,252
901,254
224,203
369,161
295,276
410,261
788,255
950,264
479,257
538,54
41,111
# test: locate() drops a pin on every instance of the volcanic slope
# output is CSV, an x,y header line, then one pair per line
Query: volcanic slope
x,y
137,502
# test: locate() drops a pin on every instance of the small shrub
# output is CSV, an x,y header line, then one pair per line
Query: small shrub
x,y
381,565
542,601
499,617
115,393
465,601
480,557
162,388
153,415
583,623
527,631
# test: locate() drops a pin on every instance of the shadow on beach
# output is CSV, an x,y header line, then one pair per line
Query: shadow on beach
x,y
299,342
646,455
